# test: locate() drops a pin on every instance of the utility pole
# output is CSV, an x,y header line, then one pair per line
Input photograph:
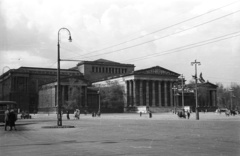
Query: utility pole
x,y
182,77
196,89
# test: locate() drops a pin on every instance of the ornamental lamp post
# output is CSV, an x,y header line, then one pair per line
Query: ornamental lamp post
x,y
59,115
174,92
182,78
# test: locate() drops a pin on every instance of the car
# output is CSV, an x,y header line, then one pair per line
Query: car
x,y
26,115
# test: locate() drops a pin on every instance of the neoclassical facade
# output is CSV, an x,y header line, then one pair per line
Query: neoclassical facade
x,y
150,87
35,88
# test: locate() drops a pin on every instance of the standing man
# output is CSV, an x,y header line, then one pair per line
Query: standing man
x,y
68,115
188,114
12,118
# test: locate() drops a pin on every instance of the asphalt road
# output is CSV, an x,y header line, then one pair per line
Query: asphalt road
x,y
124,134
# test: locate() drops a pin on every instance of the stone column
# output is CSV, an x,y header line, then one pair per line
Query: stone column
x,y
153,94
141,92
125,98
165,94
134,93
147,93
130,93
171,94
159,94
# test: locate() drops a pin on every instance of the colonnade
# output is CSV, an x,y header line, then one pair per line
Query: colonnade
x,y
154,93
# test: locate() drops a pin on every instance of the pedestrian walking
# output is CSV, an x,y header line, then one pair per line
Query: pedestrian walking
x,y
150,114
6,118
68,115
99,114
188,114
140,113
12,118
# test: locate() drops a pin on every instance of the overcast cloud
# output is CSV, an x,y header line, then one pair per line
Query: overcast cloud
x,y
29,30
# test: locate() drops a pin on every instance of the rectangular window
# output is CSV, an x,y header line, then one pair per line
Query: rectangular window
x,y
92,69
96,69
106,70
103,69
100,69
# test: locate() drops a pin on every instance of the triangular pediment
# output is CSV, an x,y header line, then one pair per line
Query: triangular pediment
x,y
208,85
156,71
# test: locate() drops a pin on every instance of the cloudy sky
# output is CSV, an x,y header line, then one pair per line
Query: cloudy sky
x,y
147,33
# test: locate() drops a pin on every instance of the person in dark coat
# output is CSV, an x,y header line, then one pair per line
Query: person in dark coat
x,y
188,114
150,114
68,115
12,118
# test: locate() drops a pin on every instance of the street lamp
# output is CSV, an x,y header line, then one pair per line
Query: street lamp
x,y
182,77
196,89
59,116
174,92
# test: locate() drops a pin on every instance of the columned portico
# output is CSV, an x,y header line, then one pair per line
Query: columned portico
x,y
149,87
149,93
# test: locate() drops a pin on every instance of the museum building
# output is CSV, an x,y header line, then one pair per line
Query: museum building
x,y
34,89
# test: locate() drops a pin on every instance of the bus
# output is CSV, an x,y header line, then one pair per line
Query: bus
x,y
3,107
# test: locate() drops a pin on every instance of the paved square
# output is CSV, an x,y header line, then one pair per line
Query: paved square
x,y
124,134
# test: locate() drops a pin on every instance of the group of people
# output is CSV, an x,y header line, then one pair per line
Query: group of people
x,y
149,112
183,114
76,114
10,119
94,114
